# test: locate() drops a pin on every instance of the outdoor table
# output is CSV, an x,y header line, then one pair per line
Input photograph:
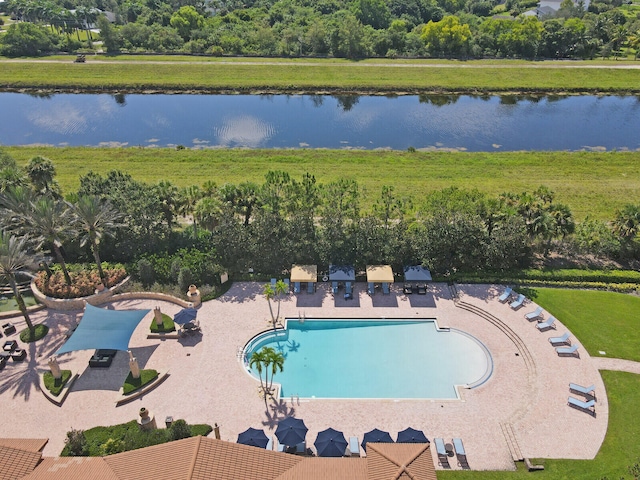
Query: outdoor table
x,y
449,449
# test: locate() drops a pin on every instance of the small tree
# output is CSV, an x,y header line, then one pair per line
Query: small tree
x,y
276,293
185,278
179,429
145,272
76,443
275,360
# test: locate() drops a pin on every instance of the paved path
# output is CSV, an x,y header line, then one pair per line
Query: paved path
x,y
616,364
208,381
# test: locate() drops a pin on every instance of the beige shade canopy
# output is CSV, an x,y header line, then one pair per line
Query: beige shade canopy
x,y
379,274
304,273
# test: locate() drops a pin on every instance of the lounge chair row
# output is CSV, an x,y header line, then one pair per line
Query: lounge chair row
x,y
589,403
419,288
445,451
506,296
352,450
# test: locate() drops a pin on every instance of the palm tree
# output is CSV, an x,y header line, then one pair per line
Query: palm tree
x,y
275,360
276,293
15,259
190,196
168,194
50,221
42,172
627,222
258,361
95,219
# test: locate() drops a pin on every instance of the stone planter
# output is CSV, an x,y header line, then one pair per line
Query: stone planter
x,y
97,298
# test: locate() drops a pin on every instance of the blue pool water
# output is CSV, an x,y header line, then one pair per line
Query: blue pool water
x,y
374,359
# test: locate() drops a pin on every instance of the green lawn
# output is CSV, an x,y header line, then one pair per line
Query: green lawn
x,y
593,183
318,75
621,447
601,321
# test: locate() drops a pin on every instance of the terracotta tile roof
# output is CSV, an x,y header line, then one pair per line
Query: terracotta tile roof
x,y
386,461
231,461
28,444
16,463
314,468
173,460
72,468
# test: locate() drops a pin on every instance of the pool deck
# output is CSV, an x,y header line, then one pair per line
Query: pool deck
x,y
526,397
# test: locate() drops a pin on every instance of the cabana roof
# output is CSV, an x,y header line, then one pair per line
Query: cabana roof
x,y
103,329
379,274
304,273
342,273
416,273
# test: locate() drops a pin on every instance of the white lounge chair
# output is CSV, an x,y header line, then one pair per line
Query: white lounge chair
x,y
443,458
385,288
537,313
287,283
505,295
371,288
542,326
354,447
589,391
566,351
273,283
589,407
563,340
460,453
296,287
518,302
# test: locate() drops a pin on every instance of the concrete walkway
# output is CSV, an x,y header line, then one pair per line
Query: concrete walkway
x,y
616,364
208,381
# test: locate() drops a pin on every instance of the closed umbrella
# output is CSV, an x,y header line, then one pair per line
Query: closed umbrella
x,y
411,435
291,431
330,443
185,316
375,436
253,437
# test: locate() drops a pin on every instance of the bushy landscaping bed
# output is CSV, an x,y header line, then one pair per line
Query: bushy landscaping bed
x,y
39,331
83,283
128,436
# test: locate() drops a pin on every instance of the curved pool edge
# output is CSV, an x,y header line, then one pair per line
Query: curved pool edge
x,y
284,333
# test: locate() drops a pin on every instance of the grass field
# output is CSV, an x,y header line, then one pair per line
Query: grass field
x,y
602,321
592,183
318,75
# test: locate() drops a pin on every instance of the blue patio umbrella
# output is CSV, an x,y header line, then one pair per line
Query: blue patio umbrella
x,y
291,431
411,435
185,316
330,443
253,437
375,436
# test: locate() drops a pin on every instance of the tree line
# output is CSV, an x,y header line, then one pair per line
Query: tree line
x,y
267,227
338,28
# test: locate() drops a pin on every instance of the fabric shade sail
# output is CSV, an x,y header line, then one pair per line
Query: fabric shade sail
x,y
103,329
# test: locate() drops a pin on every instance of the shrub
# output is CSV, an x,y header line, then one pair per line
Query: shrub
x,y
112,446
179,429
185,278
175,269
53,385
76,443
83,283
145,272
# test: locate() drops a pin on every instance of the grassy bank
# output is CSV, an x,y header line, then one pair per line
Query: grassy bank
x,y
591,183
141,73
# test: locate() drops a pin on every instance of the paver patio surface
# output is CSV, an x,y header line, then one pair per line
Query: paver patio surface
x,y
208,382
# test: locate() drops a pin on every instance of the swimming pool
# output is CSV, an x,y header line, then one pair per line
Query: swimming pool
x,y
369,358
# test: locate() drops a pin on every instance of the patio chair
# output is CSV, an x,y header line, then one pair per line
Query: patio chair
x,y
3,362
287,282
589,407
443,458
518,302
505,295
536,314
9,329
311,287
422,288
278,446
348,289
18,355
354,447
296,287
273,283
589,391
385,289
568,351
563,340
334,287
10,346
460,453
269,445
542,326
407,289
371,288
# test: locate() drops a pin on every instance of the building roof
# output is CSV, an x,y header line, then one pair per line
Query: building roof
x,y
304,273
379,274
16,463
400,461
28,444
342,273
202,458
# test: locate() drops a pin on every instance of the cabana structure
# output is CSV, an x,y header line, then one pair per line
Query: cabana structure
x,y
382,274
342,274
416,274
304,274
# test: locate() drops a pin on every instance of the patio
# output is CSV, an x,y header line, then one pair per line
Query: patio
x,y
527,393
